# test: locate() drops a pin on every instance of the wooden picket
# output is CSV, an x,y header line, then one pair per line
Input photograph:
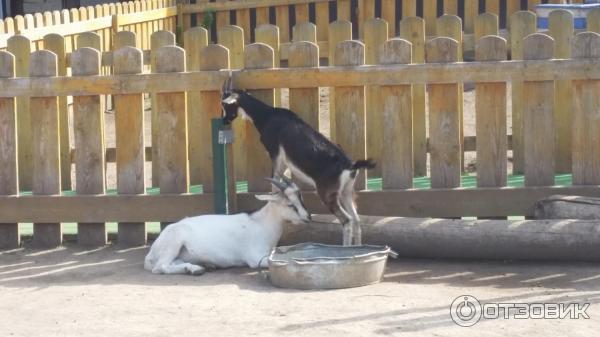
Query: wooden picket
x,y
338,31
305,101
269,35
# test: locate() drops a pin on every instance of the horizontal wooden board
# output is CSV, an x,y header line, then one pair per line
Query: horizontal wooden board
x,y
233,5
146,16
534,70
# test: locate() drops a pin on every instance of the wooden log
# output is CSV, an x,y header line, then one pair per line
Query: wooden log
x,y
412,29
56,44
46,147
195,40
129,132
538,116
561,29
350,112
158,40
397,140
211,57
232,38
586,127
269,35
444,119
567,207
547,240
490,112
9,179
88,128
375,35
304,31
523,23
258,56
338,31
20,47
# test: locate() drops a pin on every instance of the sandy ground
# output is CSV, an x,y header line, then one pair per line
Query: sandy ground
x,y
105,292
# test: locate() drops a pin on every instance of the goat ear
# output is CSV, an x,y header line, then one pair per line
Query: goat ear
x,y
266,197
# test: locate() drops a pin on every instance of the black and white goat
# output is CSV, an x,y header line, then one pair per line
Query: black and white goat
x,y
312,158
222,241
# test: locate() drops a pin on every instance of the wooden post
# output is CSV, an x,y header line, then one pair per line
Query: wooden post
x,y
88,127
90,40
538,116
195,40
485,24
522,24
20,47
262,16
343,10
123,39
388,13
375,35
450,7
451,26
56,44
159,39
593,20
242,17
338,31
172,141
397,153
471,12
366,11
282,19
322,20
586,126
305,31
269,35
444,118
46,146
222,17
492,6
430,15
512,6
232,38
561,30
412,29
301,12
258,56
305,101
490,111
211,57
350,108
9,179
129,132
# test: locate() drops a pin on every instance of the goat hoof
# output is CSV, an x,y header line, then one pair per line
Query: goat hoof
x,y
197,271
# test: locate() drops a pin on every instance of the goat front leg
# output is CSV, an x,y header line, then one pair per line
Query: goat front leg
x,y
345,219
347,201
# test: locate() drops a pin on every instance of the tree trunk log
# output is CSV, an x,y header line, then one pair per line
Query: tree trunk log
x,y
567,207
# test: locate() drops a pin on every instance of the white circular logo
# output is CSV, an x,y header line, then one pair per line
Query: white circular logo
x,y
465,310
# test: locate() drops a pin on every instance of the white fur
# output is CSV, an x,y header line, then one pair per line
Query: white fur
x,y
243,113
222,241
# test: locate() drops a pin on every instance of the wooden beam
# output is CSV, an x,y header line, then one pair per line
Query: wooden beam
x,y
234,5
533,70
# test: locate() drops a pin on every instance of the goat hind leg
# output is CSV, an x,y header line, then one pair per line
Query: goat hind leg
x,y
347,202
345,220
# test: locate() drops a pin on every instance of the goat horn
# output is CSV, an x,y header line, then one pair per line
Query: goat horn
x,y
227,85
277,184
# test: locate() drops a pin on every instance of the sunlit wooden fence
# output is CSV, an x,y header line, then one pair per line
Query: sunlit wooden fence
x,y
375,111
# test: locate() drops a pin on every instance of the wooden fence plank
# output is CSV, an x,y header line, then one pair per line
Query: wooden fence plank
x,y
343,10
305,31
523,23
492,6
269,35
490,111
397,154
122,39
586,125
430,15
451,26
262,16
538,116
531,4
46,147
339,31
322,20
471,12
450,7
350,108
388,13
444,119
56,44
159,39
90,40
195,40
282,19
129,132
222,17
243,20
9,179
232,38
258,56
412,29
305,101
88,129
485,24
375,35
172,141
593,21
301,12
211,57
366,11
512,6
561,29
20,47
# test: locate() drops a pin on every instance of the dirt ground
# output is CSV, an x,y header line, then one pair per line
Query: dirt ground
x,y
105,292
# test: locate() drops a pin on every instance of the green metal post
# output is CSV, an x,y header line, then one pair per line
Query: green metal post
x,y
221,136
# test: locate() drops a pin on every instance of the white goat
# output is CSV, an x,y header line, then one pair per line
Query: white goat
x,y
221,241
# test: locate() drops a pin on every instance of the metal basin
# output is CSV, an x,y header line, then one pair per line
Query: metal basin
x,y
319,266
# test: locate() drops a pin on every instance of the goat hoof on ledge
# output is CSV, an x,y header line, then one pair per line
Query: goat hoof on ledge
x,y
196,270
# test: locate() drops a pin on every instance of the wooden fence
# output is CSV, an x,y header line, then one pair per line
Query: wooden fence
x,y
185,88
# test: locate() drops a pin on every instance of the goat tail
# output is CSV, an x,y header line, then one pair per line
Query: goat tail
x,y
364,163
